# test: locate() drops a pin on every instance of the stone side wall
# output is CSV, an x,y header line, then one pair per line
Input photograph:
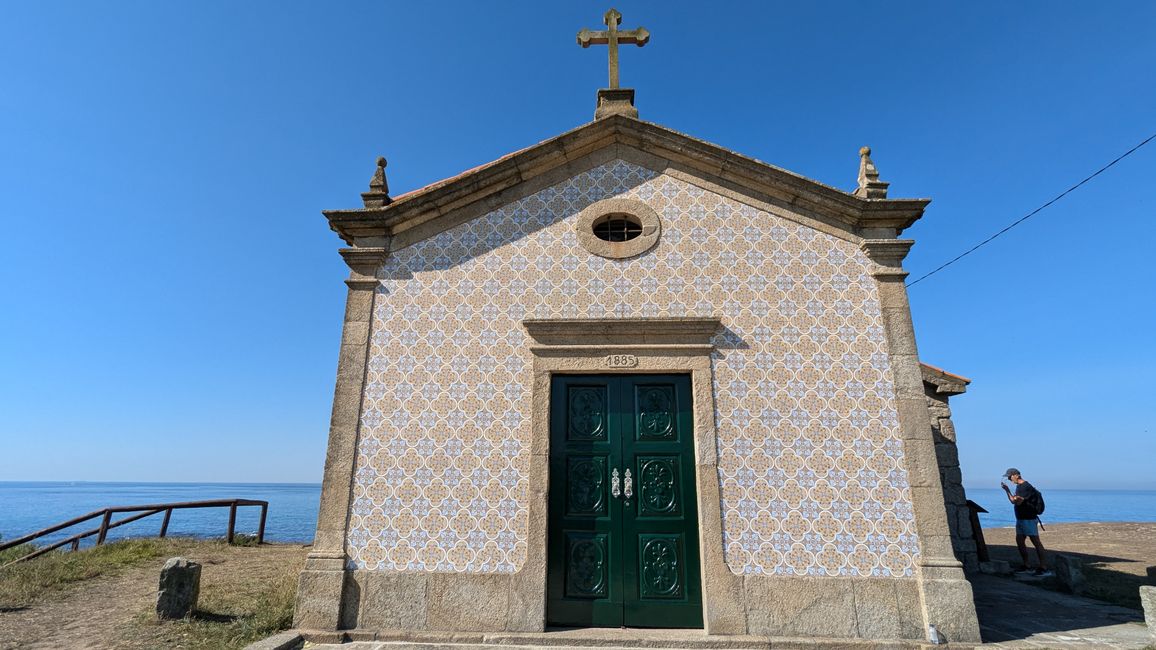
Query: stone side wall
x,y
939,385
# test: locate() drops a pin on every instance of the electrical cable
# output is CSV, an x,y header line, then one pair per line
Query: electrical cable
x,y
1031,214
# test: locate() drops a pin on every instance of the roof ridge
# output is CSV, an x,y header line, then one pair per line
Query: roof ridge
x,y
855,214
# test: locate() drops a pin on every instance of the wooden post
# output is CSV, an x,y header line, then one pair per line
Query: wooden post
x,y
980,545
232,522
261,525
75,545
104,527
165,523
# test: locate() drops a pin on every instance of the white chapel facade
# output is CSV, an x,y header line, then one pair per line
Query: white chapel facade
x,y
627,378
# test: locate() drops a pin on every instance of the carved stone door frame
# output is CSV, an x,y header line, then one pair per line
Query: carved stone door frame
x,y
631,345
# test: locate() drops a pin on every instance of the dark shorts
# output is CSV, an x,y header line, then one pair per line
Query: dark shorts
x,y
1029,527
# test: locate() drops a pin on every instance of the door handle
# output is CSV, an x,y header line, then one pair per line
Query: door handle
x,y
628,484
614,491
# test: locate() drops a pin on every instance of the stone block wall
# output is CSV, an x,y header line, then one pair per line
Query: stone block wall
x,y
938,386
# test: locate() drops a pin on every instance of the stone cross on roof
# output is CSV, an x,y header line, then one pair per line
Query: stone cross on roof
x,y
613,37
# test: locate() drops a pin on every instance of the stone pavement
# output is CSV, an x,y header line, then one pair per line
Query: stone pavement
x,y
1017,615
611,639
1012,615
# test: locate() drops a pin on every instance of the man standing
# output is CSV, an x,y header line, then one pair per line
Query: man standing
x,y
1025,501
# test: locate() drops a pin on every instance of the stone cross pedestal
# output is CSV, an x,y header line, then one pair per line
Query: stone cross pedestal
x,y
180,585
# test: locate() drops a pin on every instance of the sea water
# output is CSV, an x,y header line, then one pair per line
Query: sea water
x,y
1069,506
26,507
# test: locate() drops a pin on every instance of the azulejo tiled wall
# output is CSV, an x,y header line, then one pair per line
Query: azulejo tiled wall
x,y
810,460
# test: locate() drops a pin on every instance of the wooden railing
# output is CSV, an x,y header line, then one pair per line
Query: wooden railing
x,y
107,524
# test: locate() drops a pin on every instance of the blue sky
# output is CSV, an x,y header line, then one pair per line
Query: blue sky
x,y
172,297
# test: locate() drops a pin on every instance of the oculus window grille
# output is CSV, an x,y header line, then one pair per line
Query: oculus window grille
x,y
617,228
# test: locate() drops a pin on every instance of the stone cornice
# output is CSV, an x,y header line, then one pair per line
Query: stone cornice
x,y
896,214
888,255
687,330
364,257
363,263
859,216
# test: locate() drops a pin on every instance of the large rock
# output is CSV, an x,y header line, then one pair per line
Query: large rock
x,y
179,587
1148,600
1070,573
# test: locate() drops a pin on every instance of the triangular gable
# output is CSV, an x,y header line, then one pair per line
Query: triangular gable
x,y
421,213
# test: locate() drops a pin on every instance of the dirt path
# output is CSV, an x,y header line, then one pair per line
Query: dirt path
x,y
88,616
114,611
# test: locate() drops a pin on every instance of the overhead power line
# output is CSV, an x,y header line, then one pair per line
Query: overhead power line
x,y
1032,213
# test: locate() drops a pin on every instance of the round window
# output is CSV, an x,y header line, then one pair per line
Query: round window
x,y
617,228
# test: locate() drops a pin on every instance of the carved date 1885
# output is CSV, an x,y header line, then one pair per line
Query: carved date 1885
x,y
621,361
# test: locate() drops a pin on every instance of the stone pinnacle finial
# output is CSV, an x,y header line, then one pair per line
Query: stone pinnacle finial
x,y
378,194
870,187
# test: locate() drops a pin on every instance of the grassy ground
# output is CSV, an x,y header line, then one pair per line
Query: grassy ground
x,y
106,596
49,575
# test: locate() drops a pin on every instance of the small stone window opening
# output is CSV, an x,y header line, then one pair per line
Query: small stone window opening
x,y
617,228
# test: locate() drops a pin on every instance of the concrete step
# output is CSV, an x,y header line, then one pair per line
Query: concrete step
x,y
595,639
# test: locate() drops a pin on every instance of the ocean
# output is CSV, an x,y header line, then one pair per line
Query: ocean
x,y
1070,506
26,507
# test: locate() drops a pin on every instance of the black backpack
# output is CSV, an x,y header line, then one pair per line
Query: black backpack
x,y
1037,502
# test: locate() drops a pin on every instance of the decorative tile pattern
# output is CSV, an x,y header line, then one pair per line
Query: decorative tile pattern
x,y
810,460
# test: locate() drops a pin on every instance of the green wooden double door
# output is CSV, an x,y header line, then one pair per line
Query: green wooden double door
x,y
623,523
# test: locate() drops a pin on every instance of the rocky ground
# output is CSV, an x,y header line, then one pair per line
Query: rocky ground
x,y
1118,557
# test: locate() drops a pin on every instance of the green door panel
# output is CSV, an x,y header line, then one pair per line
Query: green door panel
x,y
587,412
656,404
662,566
584,581
631,558
587,565
658,483
660,525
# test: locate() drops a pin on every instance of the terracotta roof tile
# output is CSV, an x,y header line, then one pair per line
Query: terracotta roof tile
x,y
949,374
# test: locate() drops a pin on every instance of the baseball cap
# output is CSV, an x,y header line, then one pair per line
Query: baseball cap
x,y
1010,471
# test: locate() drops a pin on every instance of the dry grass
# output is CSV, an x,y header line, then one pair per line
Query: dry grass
x,y
48,575
106,596
229,615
